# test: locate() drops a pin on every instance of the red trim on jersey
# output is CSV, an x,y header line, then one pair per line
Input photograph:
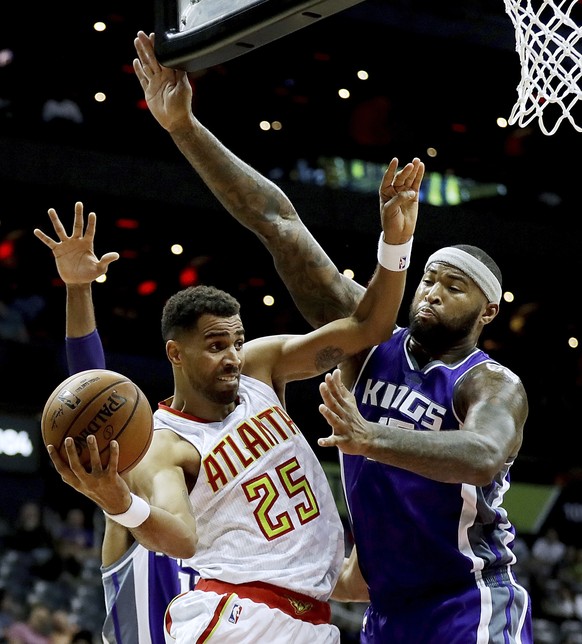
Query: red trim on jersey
x,y
165,405
293,604
177,412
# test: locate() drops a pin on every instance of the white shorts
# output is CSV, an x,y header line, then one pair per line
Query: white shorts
x,y
200,616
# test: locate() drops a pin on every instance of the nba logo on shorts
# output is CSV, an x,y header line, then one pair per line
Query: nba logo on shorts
x,y
235,613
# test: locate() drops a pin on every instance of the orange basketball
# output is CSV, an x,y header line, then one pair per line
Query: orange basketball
x,y
103,403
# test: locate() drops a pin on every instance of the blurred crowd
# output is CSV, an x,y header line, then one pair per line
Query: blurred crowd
x,y
50,583
51,593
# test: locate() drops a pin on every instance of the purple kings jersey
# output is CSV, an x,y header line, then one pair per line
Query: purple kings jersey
x,y
138,589
415,535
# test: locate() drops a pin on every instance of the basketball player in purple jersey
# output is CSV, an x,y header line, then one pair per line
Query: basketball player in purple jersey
x,y
138,584
429,435
427,464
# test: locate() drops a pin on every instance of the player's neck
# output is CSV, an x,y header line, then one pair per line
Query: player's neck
x,y
449,355
202,409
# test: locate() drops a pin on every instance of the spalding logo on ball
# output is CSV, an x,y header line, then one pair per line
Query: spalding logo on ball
x,y
106,404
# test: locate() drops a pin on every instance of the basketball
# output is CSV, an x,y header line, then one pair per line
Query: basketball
x,y
103,403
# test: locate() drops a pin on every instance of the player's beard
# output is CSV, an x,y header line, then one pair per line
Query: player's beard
x,y
213,393
222,397
437,335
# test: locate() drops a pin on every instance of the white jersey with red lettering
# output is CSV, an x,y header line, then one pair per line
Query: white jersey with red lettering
x,y
264,508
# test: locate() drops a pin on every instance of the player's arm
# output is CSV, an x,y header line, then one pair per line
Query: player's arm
x,y
84,349
319,290
164,477
78,267
158,514
298,357
351,586
495,406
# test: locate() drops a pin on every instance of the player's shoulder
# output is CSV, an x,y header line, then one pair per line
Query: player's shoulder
x,y
262,355
491,378
491,369
167,448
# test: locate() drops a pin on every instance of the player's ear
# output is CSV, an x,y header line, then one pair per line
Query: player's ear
x,y
491,311
173,352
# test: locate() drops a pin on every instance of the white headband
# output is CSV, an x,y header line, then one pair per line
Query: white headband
x,y
473,267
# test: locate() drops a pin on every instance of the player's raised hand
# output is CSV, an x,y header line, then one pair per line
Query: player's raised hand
x,y
399,198
167,92
74,255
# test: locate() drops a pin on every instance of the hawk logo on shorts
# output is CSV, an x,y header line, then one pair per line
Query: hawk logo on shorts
x,y
235,613
298,606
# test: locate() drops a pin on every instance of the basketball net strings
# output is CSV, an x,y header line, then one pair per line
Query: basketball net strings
x,y
548,42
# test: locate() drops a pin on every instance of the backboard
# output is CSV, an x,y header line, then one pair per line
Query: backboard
x,y
196,34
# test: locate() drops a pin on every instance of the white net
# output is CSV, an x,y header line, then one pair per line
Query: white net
x,y
549,44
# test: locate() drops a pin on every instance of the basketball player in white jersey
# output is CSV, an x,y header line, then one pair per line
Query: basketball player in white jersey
x,y
229,483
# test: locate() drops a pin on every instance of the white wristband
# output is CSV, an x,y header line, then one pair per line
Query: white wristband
x,y
135,515
394,257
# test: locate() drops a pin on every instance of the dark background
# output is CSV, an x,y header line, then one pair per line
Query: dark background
x,y
440,75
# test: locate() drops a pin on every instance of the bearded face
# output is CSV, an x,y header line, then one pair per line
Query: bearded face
x,y
440,332
222,389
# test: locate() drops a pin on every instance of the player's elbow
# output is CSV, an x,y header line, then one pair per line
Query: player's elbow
x,y
183,548
483,470
480,478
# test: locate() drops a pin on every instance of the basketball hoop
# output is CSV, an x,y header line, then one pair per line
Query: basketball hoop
x,y
549,44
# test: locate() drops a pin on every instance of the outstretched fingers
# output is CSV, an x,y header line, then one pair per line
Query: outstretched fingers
x,y
333,393
58,228
107,259
44,238
417,177
146,64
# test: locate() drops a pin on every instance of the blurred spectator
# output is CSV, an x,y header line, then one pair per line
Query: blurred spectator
x,y
36,628
10,612
31,535
12,325
64,629
571,632
522,568
82,637
548,551
571,571
75,541
558,602
29,531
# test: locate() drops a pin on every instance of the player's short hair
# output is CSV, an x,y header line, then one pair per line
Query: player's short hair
x,y
183,309
484,258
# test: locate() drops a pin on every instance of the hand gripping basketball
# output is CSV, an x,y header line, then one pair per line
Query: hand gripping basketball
x,y
103,403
